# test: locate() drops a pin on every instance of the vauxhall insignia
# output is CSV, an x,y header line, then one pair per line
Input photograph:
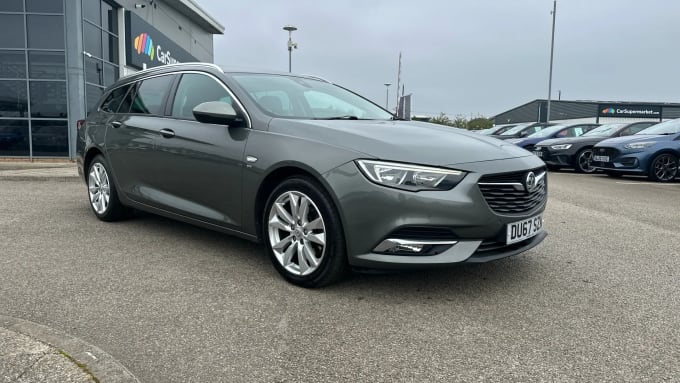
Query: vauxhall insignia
x,y
530,182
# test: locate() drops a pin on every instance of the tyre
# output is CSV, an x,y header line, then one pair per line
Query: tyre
x,y
582,161
613,174
664,168
102,192
303,234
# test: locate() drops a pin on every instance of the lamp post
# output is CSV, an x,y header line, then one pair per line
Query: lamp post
x,y
291,45
387,95
552,48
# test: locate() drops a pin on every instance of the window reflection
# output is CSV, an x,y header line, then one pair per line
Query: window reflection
x,y
46,65
48,99
13,64
13,99
50,138
14,138
45,32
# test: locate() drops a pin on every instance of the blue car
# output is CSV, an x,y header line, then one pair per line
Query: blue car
x,y
653,152
555,131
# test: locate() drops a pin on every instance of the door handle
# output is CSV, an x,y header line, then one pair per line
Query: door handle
x,y
167,133
116,124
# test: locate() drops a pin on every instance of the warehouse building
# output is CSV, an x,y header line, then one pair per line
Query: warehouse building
x,y
58,56
588,111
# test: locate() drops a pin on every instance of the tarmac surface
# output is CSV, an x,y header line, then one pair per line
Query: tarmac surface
x,y
597,301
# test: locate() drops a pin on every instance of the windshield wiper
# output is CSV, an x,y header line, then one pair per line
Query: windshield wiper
x,y
345,117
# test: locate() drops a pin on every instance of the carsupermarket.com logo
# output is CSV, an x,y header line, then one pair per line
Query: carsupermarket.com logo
x,y
608,111
144,45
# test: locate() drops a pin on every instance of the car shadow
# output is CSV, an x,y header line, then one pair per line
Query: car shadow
x,y
462,279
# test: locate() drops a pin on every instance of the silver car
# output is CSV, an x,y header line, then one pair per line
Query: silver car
x,y
326,179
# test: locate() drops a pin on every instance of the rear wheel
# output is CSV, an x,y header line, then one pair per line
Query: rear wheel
x,y
664,168
102,192
583,163
303,233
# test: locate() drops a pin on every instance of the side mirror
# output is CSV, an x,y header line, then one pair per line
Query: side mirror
x,y
217,112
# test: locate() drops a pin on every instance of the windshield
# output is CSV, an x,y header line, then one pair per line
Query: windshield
x,y
514,130
548,131
302,97
666,127
604,131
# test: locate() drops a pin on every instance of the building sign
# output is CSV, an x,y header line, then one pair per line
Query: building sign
x,y
633,111
147,47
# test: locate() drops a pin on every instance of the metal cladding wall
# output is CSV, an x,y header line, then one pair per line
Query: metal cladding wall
x,y
535,111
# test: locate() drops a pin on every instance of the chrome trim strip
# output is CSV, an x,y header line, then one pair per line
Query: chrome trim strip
x,y
393,242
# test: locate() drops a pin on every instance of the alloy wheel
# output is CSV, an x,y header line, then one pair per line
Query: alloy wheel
x,y
99,188
585,159
665,167
297,233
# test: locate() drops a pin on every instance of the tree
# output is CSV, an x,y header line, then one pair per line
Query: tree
x,y
460,122
442,119
479,123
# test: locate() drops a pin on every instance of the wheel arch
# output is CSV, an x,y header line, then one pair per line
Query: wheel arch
x,y
90,154
275,176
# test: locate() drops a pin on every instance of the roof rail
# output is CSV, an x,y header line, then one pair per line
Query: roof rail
x,y
157,68
317,78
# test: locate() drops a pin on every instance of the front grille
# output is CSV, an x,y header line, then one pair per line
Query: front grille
x,y
604,151
506,193
423,233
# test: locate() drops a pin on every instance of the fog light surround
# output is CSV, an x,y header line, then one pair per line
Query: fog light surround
x,y
396,246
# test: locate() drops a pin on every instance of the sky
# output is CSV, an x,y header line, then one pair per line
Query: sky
x,y
463,57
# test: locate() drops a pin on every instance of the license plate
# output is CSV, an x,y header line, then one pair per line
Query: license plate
x,y
521,230
538,153
601,158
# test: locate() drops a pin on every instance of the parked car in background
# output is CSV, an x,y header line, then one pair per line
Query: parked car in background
x,y
554,131
653,152
498,129
577,152
523,130
325,178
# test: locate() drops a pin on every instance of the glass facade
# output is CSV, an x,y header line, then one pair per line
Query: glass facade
x,y
100,43
33,96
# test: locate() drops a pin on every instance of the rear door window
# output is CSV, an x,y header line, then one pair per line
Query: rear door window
x,y
114,99
151,95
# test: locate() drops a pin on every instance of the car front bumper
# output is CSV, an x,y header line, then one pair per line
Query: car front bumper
x,y
631,162
373,213
555,157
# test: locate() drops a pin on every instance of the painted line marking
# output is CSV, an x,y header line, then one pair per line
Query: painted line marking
x,y
647,183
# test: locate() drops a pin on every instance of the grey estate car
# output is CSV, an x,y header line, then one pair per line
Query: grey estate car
x,y
325,178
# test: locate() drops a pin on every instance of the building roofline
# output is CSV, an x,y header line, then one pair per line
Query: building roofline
x,y
194,12
592,102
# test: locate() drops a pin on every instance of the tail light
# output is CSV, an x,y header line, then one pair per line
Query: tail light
x,y
80,124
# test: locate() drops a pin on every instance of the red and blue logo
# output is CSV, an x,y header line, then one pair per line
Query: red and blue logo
x,y
608,111
144,45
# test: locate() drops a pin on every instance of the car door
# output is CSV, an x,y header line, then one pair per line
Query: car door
x,y
131,135
204,162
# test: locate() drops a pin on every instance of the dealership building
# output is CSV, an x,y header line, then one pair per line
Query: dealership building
x,y
588,111
58,56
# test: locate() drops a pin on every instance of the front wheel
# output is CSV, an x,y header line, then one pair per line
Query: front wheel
x,y
664,168
584,160
303,233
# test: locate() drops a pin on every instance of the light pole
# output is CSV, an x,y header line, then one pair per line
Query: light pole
x,y
552,48
387,95
291,45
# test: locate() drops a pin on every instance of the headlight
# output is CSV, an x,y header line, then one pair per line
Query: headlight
x,y
639,145
410,177
560,147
